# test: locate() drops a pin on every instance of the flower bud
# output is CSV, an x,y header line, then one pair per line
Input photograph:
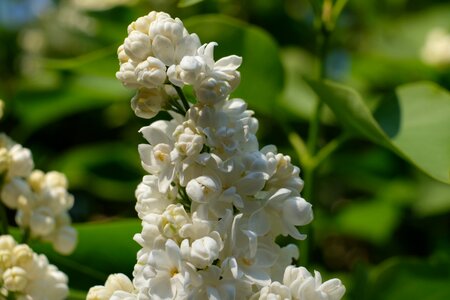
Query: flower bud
x,y
137,46
15,279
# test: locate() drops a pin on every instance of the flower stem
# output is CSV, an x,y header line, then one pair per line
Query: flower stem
x,y
26,235
306,248
4,219
182,97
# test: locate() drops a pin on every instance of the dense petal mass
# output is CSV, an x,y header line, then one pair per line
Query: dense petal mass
x,y
213,202
24,272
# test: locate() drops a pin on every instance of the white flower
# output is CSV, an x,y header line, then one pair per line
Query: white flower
x,y
25,272
151,73
280,212
282,173
64,239
127,74
150,199
304,286
436,51
273,291
15,279
42,221
213,203
121,295
212,81
171,41
156,157
217,284
147,103
14,159
138,46
203,251
142,24
123,57
114,283
13,190
21,255
172,277
204,189
42,203
190,69
188,140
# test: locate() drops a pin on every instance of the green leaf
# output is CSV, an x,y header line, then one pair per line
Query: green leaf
x,y
77,295
414,123
110,171
373,221
405,279
103,248
78,94
297,98
261,70
433,198
186,3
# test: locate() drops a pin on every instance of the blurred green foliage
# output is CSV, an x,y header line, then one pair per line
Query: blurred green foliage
x,y
381,221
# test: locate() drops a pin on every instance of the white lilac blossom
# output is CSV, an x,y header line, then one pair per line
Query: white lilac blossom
x,y
27,275
154,43
436,50
119,283
213,201
14,159
42,203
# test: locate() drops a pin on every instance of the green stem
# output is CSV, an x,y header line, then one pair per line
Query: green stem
x,y
329,148
314,127
176,107
4,219
306,248
26,235
182,97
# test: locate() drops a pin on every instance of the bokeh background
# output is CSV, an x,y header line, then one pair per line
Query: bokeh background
x,y
381,225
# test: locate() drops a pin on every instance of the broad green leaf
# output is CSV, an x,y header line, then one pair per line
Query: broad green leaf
x,y
405,279
433,198
414,123
110,171
103,248
261,70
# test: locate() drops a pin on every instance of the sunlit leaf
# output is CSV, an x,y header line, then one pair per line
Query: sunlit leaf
x,y
261,70
186,3
414,123
103,248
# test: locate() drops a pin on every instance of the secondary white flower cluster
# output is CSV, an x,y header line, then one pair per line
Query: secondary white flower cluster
x,y
213,202
436,50
27,275
41,200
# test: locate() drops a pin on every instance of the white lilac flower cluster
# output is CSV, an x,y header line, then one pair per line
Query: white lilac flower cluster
x,y
436,50
41,199
27,275
213,202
